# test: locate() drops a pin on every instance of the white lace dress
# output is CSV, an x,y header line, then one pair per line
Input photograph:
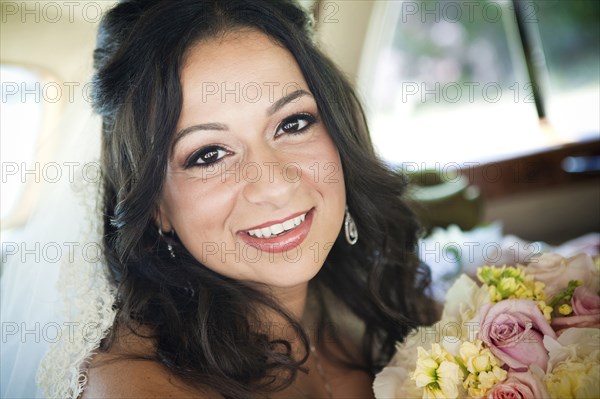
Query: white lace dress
x,y
87,303
89,298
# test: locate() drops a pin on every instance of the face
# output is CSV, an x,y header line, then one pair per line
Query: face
x,y
254,187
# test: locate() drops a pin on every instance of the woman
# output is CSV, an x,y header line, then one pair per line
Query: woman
x,y
237,174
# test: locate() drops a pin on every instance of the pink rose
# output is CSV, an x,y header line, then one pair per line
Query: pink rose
x,y
514,330
586,310
585,302
556,272
519,386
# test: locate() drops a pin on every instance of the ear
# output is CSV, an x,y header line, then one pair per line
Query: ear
x,y
161,218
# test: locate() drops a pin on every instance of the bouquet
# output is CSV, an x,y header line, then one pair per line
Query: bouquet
x,y
524,331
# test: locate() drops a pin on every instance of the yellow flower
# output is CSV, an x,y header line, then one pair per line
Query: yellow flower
x,y
489,378
545,309
483,368
565,309
510,282
495,296
508,285
539,289
437,373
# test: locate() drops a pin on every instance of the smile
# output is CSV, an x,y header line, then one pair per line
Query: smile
x,y
281,235
278,228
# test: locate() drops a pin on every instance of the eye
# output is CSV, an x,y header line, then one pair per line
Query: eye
x,y
207,156
295,124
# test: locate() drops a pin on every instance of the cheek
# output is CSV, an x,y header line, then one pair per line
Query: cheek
x,y
325,174
199,212
328,179
330,174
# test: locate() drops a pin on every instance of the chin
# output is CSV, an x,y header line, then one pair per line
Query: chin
x,y
288,275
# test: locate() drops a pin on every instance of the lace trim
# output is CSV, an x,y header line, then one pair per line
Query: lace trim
x,y
88,299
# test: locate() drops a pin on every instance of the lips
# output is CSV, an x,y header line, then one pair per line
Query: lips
x,y
281,235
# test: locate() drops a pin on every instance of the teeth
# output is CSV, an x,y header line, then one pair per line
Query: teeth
x,y
277,228
288,224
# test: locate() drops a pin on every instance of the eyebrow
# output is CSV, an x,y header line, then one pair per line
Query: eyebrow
x,y
277,105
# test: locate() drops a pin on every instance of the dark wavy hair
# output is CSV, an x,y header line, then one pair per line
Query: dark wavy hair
x,y
203,323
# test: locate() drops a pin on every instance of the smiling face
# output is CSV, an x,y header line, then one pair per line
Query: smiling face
x,y
254,187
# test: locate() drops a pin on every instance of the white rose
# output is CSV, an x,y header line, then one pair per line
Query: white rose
x,y
574,364
463,301
394,380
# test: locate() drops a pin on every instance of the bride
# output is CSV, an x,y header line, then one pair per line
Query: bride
x,y
237,174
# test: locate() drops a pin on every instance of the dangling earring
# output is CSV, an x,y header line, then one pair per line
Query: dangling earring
x,y
350,228
169,246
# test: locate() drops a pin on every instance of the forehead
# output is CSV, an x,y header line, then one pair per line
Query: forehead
x,y
238,60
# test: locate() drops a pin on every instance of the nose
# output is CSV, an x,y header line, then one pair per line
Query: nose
x,y
270,179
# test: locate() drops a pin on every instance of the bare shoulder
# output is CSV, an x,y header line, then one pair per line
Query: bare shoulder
x,y
112,375
137,379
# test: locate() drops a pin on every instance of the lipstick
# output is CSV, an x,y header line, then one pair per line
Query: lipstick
x,y
279,236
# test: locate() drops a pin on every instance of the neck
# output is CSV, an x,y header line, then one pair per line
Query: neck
x,y
293,299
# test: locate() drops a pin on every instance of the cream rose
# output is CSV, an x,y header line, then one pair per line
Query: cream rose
x,y
556,272
574,364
